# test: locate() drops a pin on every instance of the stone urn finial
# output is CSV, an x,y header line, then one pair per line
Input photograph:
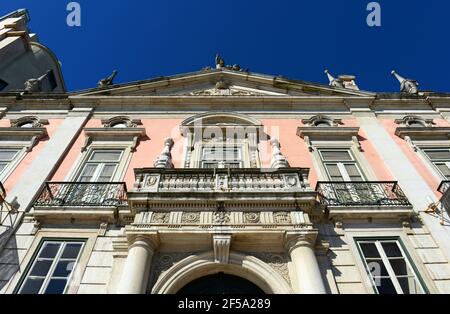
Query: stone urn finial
x,y
278,159
164,160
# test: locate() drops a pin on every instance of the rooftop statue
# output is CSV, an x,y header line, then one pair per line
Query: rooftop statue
x,y
220,64
407,85
108,81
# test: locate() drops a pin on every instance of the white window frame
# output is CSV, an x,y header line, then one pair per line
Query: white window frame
x,y
391,274
197,156
55,261
341,164
121,170
239,160
363,165
12,165
100,164
434,169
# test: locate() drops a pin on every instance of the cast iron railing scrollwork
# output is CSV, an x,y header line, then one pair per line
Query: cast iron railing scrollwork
x,y
361,194
81,194
445,199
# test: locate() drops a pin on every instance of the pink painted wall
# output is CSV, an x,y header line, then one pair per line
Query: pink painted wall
x,y
413,157
29,157
292,146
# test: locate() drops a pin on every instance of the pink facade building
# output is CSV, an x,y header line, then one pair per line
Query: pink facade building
x,y
267,184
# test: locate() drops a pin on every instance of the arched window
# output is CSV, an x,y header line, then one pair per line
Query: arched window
x,y
222,140
321,121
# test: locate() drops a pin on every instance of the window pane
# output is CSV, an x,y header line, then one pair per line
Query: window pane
x,y
385,286
71,250
377,268
49,250
7,154
32,286
335,174
107,173
410,285
369,250
391,249
41,268
438,154
56,286
336,155
2,166
63,269
105,156
400,267
88,173
353,172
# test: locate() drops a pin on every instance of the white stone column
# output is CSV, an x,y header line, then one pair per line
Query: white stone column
x,y
308,279
135,274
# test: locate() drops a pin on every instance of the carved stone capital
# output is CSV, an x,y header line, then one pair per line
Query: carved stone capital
x,y
222,244
149,241
300,239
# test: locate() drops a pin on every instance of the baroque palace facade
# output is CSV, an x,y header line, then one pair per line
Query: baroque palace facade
x,y
220,181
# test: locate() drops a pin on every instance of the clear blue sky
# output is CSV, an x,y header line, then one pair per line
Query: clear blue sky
x,y
297,39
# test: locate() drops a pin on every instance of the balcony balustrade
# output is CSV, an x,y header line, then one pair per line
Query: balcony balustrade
x,y
80,194
361,194
221,180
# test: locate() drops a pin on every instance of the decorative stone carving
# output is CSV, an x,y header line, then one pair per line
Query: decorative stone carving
x,y
108,81
29,121
165,159
343,81
121,120
322,120
164,261
282,217
220,64
278,159
221,217
222,245
252,218
277,261
223,92
414,121
407,85
102,229
190,218
162,218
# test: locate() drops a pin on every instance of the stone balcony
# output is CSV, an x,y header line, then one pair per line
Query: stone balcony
x,y
206,189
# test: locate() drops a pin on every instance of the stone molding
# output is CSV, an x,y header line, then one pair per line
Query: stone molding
x,y
301,239
221,244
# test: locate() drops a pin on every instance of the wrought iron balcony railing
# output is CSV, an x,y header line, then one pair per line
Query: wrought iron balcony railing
x,y
445,199
221,180
79,194
361,194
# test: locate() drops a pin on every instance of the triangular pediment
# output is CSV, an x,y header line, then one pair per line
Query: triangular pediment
x,y
221,83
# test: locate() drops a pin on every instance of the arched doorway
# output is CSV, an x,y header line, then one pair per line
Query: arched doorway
x,y
220,283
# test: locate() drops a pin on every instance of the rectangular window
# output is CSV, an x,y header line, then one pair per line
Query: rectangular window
x,y
221,156
389,268
100,166
441,159
51,271
340,165
6,157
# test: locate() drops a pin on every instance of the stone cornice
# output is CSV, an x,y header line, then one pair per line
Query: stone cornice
x,y
423,132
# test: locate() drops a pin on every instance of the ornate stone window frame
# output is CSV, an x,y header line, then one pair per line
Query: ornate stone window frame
x,y
33,120
127,121
314,121
421,138
407,121
198,132
124,139
22,139
353,235
89,239
335,138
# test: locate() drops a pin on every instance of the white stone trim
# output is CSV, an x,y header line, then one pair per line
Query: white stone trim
x,y
242,265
